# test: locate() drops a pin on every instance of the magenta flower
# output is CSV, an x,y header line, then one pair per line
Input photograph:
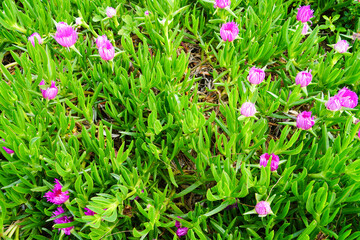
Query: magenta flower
x,y
248,109
101,40
256,75
63,219
334,103
107,51
51,92
89,212
304,14
341,46
303,78
57,196
110,12
7,150
359,129
304,120
263,208
229,31
274,161
37,36
182,231
65,35
348,98
305,29
222,3
147,13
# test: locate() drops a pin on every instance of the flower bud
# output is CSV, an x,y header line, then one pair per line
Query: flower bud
x,y
256,75
303,78
37,36
263,208
248,109
341,46
333,103
229,31
304,120
110,12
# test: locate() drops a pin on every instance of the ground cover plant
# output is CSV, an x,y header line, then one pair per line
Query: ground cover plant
x,y
174,119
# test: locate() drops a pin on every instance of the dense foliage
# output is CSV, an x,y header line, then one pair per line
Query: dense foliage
x,y
160,119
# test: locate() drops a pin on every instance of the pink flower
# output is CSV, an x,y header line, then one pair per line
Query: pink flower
x,y
65,35
7,150
101,40
63,219
274,161
37,36
222,3
107,51
110,12
182,231
359,129
304,120
348,98
147,13
51,92
89,212
334,103
263,208
341,46
248,109
305,29
229,31
57,196
256,75
303,78
304,14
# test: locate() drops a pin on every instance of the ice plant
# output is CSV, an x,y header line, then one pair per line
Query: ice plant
x,y
89,212
101,40
304,120
303,78
107,51
334,103
348,98
147,13
7,150
57,196
229,31
304,14
222,3
63,219
248,109
37,36
341,46
274,161
110,12
65,35
51,92
256,75
263,208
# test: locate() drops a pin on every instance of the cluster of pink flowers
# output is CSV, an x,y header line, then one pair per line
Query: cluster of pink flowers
x,y
57,196
181,231
344,98
106,49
